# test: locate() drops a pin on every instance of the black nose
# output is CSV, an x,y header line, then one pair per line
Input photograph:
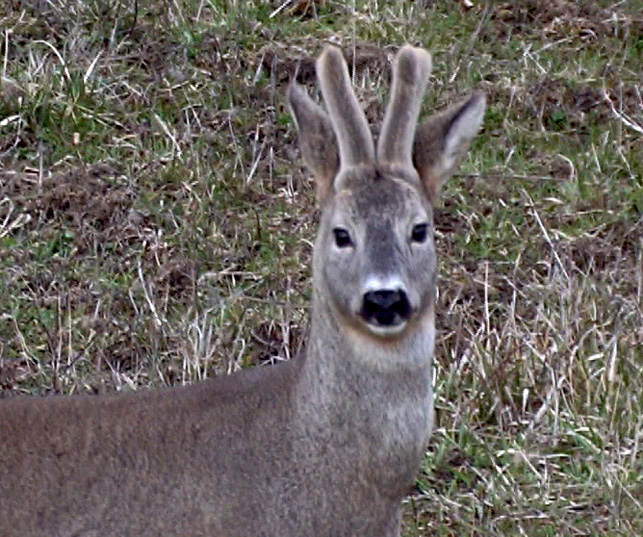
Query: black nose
x,y
385,307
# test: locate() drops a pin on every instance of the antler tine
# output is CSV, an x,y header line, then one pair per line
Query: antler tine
x,y
411,70
353,134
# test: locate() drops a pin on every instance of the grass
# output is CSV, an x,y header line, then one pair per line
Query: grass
x,y
156,226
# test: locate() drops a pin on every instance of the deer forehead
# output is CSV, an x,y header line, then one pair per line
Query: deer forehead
x,y
371,200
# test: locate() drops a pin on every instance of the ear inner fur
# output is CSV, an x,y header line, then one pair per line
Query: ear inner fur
x,y
443,139
351,128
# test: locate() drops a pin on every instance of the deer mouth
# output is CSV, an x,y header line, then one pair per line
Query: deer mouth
x,y
386,312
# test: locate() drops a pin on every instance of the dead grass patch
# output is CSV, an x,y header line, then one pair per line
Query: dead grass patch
x,y
156,227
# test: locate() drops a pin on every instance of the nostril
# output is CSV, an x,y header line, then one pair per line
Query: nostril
x,y
386,307
384,299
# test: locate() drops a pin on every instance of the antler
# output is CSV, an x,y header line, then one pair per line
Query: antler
x,y
349,122
411,70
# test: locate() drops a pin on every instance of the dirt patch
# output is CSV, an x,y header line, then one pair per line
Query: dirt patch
x,y
93,261
613,245
89,206
550,16
562,105
288,63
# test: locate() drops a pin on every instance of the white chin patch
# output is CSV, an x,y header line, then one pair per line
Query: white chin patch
x,y
386,330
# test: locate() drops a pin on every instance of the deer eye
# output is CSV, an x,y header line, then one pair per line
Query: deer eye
x,y
342,238
419,232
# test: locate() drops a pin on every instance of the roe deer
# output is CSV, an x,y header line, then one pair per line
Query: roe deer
x,y
324,445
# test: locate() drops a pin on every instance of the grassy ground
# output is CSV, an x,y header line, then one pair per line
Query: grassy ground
x,y
156,226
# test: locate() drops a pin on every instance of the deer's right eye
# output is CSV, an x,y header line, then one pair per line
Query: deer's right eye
x,y
342,238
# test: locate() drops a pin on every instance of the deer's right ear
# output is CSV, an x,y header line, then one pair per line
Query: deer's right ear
x,y
317,140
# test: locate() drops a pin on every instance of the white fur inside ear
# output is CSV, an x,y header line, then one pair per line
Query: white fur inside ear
x,y
463,128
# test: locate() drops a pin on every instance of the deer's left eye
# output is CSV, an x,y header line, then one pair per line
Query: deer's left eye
x,y
419,232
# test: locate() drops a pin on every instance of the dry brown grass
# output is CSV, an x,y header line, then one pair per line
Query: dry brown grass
x,y
155,226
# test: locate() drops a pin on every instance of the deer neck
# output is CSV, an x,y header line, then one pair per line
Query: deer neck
x,y
341,362
376,399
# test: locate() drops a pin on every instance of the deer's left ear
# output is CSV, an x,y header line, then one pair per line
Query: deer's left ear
x,y
443,139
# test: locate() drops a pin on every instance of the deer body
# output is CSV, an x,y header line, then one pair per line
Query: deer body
x,y
219,458
325,445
